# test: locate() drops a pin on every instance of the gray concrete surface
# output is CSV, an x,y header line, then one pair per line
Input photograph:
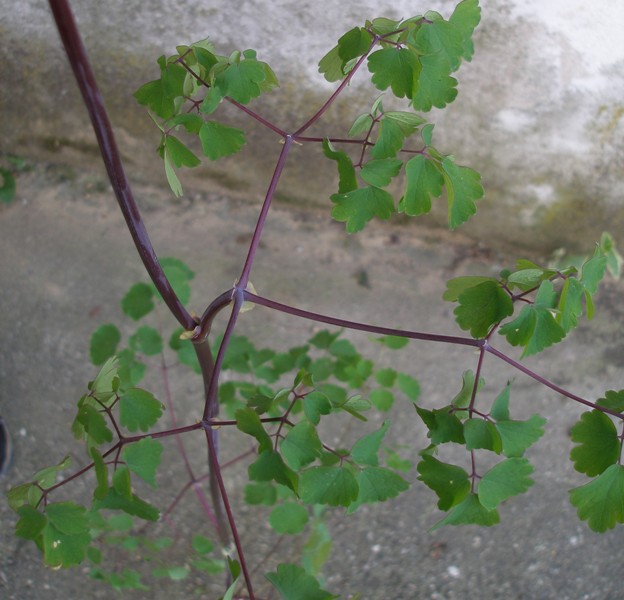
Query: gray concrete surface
x,y
66,262
539,111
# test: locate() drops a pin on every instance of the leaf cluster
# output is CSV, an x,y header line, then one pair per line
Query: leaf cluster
x,y
192,85
469,497
553,300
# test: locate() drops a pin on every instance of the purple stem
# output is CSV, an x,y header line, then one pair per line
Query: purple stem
x,y
94,102
415,335
550,384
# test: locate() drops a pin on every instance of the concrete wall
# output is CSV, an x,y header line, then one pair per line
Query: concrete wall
x,y
540,111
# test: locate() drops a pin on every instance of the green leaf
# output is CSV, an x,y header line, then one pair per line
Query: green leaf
x,y
397,68
358,207
518,436
613,400
365,451
593,271
380,172
347,181
535,328
465,18
133,505
139,409
482,307
269,466
293,583
443,425
248,421
93,423
146,340
481,434
211,101
386,377
434,86
394,342
67,517
46,477
220,140
362,124
316,404
260,493
18,496
377,484
172,178
179,276
159,95
62,549
500,406
31,523
143,458
180,155
334,486
122,482
131,371
381,399
289,518
7,189
409,386
331,65
458,285
301,446
242,80
601,501
614,258
424,182
450,483
103,343
463,188
504,480
101,473
599,443
138,301
394,127
470,512
442,39
353,44
201,544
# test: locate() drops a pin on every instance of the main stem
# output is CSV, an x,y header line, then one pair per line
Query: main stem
x,y
94,102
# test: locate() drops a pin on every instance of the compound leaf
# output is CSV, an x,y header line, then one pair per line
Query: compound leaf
x,y
601,501
504,480
358,207
599,444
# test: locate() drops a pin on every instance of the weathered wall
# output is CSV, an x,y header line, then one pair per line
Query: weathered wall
x,y
540,111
